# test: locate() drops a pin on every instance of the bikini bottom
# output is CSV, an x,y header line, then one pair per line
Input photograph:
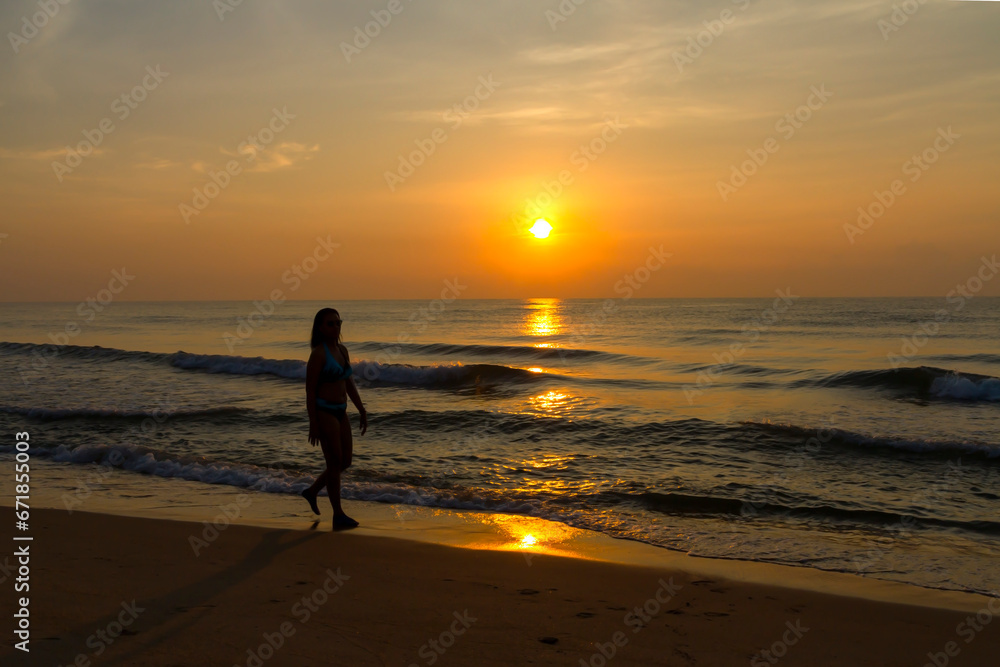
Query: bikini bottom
x,y
338,410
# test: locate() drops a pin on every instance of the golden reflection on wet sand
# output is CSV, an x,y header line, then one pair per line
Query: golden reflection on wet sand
x,y
529,535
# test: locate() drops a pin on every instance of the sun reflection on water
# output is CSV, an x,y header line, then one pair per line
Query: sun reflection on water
x,y
543,318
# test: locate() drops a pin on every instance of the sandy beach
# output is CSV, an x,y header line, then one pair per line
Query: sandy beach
x,y
117,590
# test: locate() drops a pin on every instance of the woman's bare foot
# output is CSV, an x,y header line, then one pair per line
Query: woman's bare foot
x,y
344,521
312,500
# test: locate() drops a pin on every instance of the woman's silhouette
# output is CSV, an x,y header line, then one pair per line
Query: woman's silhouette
x,y
328,384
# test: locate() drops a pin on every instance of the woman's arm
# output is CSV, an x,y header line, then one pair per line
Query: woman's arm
x,y
352,391
313,368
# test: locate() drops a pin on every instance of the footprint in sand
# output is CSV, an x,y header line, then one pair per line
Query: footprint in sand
x,y
687,656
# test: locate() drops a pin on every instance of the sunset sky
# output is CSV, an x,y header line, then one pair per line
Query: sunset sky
x,y
417,150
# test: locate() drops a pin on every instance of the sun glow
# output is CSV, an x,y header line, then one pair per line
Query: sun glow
x,y
541,228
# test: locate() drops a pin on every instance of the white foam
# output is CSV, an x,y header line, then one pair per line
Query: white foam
x,y
151,462
271,480
220,363
65,413
296,370
966,389
915,445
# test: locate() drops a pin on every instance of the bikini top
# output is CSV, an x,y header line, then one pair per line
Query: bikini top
x,y
333,371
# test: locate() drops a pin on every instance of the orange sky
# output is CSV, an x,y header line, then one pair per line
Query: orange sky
x,y
635,124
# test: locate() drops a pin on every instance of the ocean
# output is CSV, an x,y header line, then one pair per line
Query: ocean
x,y
855,435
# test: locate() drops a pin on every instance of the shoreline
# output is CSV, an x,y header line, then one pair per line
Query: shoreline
x,y
160,498
352,598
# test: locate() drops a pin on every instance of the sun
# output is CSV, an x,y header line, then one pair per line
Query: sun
x,y
541,228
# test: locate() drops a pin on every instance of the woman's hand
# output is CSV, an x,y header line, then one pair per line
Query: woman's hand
x,y
313,433
363,416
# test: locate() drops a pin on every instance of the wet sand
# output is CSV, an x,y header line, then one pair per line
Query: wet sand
x,y
118,590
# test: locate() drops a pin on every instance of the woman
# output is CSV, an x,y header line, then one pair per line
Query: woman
x,y
328,384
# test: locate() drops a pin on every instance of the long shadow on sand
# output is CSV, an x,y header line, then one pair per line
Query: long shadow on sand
x,y
166,609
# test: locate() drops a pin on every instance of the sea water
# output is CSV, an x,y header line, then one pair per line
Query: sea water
x,y
859,435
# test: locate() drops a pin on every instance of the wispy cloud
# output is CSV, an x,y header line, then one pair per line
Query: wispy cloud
x,y
157,163
43,155
272,158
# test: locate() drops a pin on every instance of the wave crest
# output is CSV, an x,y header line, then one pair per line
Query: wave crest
x,y
925,381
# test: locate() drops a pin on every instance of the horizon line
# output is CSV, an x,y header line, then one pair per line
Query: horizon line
x,y
532,298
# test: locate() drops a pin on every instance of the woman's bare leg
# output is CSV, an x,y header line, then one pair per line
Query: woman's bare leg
x,y
330,441
346,444
318,484
333,434
347,452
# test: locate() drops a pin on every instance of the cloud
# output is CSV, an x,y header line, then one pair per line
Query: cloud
x,y
157,163
43,155
272,158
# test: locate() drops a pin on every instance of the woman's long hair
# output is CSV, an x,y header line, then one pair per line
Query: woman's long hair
x,y
317,335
